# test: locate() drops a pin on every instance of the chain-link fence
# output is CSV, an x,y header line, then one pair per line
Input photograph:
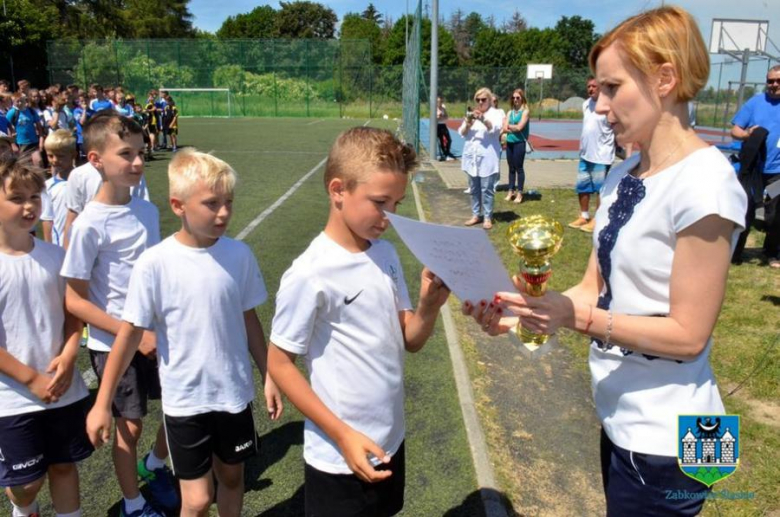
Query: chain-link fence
x,y
336,78
412,79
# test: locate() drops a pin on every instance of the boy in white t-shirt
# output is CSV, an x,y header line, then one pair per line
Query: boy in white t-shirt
x,y
85,181
60,149
105,242
42,396
199,290
343,304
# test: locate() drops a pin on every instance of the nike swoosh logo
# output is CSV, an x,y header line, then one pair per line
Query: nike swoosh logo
x,y
347,301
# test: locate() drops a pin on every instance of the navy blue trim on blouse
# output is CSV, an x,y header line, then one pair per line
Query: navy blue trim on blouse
x,y
630,192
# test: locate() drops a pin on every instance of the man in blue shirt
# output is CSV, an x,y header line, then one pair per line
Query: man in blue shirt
x,y
763,110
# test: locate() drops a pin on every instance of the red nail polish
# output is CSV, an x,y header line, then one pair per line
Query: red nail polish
x,y
482,303
491,305
497,299
500,310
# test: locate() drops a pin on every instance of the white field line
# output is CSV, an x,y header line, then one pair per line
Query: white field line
x,y
315,122
268,211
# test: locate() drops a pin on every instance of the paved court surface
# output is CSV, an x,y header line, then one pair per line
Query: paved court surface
x,y
556,139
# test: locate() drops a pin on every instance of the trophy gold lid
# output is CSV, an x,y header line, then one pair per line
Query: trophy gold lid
x,y
536,238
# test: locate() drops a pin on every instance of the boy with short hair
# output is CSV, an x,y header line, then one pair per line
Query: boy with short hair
x,y
199,290
42,396
344,305
153,115
60,149
105,242
26,124
85,181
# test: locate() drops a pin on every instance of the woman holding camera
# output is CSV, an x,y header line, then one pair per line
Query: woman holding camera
x,y
481,129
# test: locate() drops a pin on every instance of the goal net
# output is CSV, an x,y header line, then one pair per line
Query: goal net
x,y
202,102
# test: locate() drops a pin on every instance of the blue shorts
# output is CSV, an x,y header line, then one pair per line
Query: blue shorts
x,y
645,484
590,177
31,442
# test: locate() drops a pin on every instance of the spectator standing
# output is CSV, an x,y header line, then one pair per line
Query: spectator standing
x,y
763,111
442,133
481,154
517,130
597,152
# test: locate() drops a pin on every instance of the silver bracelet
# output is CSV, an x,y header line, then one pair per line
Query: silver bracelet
x,y
609,327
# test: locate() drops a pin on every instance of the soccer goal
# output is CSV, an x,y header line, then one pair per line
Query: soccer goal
x,y
202,102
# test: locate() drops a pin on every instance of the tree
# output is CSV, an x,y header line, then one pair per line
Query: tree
x,y
157,19
395,48
515,24
372,14
305,19
258,23
576,38
356,26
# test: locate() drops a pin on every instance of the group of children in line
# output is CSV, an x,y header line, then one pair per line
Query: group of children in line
x,y
175,319
29,115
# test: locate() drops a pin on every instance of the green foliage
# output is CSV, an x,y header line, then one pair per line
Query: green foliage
x,y
260,23
395,49
576,37
304,19
355,26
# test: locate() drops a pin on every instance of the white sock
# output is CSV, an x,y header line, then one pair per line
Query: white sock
x,y
77,513
585,215
24,511
133,505
153,462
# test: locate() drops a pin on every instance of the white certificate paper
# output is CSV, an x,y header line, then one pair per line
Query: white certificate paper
x,y
464,258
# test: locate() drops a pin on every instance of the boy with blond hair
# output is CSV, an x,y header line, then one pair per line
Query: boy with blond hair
x,y
42,396
204,347
60,147
344,305
106,240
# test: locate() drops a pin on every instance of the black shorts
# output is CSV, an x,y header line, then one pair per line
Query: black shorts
x,y
31,442
139,384
345,495
194,440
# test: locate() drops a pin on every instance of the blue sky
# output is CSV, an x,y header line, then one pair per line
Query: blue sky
x,y
210,14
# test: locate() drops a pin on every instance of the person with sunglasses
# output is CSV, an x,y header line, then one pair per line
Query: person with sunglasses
x,y
763,111
481,129
517,129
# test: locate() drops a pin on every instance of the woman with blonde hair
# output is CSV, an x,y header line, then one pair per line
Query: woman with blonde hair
x,y
481,129
517,129
655,282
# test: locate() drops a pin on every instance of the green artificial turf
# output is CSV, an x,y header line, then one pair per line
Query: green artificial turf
x,y
271,155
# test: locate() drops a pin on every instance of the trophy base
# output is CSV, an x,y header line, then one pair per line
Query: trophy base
x,y
531,345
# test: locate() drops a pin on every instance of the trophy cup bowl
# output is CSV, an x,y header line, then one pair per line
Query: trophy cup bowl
x,y
535,239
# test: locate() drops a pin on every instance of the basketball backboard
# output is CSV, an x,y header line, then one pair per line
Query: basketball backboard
x,y
539,72
731,36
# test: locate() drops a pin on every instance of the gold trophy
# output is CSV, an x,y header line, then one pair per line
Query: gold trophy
x,y
535,239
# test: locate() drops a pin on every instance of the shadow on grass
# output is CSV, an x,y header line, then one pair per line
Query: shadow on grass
x,y
473,504
505,216
273,448
292,507
774,300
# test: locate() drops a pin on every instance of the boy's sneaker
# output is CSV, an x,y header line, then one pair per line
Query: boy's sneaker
x,y
160,483
147,511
